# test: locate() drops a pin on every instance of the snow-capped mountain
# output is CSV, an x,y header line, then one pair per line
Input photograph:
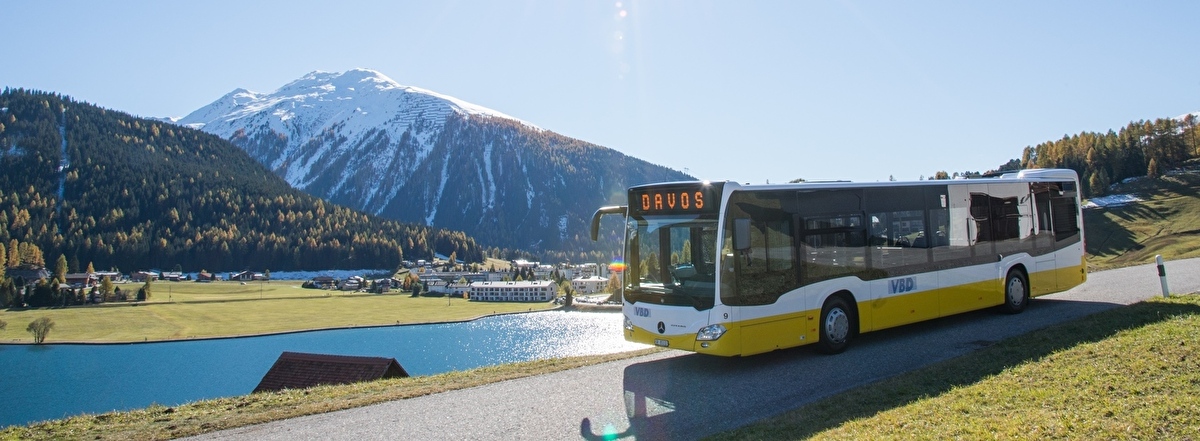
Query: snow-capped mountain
x,y
359,139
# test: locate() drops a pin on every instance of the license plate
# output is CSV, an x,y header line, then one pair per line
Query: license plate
x,y
660,342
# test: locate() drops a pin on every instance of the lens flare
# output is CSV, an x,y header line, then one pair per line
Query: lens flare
x,y
617,266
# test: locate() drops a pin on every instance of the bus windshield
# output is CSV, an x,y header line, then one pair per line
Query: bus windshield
x,y
671,260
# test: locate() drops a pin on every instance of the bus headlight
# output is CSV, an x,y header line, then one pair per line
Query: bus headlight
x,y
628,324
710,333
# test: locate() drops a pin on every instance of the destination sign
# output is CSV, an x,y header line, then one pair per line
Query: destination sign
x,y
675,199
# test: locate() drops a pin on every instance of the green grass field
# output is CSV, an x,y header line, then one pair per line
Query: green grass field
x,y
183,310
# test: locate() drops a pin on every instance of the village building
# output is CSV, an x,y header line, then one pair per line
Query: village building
x,y
113,276
589,285
142,276
587,270
324,282
81,280
27,273
352,283
524,291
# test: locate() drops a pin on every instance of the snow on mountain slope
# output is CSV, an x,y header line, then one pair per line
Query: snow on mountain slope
x,y
356,105
363,98
361,140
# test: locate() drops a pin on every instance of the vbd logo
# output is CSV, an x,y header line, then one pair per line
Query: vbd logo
x,y
641,312
897,286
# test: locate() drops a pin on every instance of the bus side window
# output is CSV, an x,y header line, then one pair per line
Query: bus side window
x,y
764,248
1065,212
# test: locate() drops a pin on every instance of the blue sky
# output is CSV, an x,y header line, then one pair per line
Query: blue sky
x,y
746,91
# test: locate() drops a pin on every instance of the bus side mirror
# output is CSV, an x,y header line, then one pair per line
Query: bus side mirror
x,y
616,209
741,234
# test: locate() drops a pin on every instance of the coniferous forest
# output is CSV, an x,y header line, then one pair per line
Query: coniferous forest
x,y
1141,148
104,188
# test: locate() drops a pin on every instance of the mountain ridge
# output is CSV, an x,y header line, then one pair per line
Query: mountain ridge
x,y
359,139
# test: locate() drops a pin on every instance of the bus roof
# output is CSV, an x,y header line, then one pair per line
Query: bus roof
x,y
1028,175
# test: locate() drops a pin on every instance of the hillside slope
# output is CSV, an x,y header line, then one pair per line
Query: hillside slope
x,y
1165,221
104,187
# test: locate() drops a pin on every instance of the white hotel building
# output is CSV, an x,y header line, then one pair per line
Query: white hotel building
x,y
525,291
589,285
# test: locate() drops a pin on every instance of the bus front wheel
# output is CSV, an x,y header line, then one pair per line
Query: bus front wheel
x,y
1016,292
835,329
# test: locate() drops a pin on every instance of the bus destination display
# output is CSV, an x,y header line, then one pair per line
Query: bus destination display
x,y
691,199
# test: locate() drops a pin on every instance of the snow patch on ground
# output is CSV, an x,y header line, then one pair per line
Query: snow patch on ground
x,y
1115,200
437,199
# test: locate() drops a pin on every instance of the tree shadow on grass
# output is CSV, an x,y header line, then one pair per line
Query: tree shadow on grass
x,y
1106,237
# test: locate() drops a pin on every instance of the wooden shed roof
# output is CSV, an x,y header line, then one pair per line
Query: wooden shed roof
x,y
296,370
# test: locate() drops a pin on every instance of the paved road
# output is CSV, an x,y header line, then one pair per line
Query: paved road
x,y
678,395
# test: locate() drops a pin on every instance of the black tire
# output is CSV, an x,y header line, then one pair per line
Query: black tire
x,y
836,326
1016,292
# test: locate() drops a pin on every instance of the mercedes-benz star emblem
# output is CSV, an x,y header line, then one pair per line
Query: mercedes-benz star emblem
x,y
662,328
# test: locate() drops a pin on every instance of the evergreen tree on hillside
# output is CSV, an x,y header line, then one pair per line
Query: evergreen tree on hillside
x,y
60,269
1141,148
143,194
14,258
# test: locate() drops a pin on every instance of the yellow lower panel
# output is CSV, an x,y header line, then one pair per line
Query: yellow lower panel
x,y
775,333
1042,283
970,296
1071,276
903,309
1062,279
686,342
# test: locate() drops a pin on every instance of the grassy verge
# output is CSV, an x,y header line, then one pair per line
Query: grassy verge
x,y
202,310
159,422
1128,373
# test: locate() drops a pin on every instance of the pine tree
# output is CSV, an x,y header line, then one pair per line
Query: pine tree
x,y
14,254
60,269
106,287
614,284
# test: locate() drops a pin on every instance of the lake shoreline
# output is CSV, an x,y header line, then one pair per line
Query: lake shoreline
x,y
573,308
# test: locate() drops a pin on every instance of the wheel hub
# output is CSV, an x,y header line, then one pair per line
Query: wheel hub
x,y
837,325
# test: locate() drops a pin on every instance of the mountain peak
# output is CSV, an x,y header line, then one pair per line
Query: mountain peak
x,y
360,139
361,99
350,80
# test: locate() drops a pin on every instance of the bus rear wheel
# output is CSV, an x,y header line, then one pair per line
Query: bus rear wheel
x,y
835,328
1016,292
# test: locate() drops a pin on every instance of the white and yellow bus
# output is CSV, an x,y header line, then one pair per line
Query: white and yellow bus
x,y
727,269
